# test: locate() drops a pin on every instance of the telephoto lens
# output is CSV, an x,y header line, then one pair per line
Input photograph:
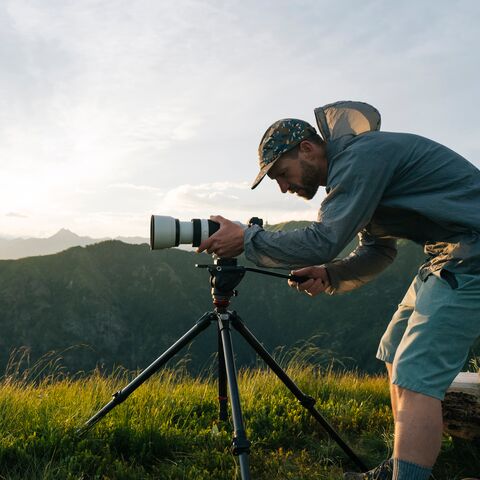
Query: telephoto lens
x,y
167,232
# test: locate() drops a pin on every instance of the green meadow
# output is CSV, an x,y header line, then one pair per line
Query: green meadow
x,y
168,428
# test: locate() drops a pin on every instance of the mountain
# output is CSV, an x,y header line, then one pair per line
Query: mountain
x,y
28,247
122,304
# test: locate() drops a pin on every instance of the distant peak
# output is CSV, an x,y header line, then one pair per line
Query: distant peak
x,y
64,233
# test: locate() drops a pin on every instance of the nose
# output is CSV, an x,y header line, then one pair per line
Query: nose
x,y
283,184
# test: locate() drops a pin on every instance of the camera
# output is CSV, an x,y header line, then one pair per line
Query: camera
x,y
167,232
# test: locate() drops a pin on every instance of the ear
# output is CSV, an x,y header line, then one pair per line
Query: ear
x,y
305,146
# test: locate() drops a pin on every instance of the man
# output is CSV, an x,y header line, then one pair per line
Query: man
x,y
381,186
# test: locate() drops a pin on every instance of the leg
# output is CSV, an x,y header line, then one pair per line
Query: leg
x,y
222,381
241,446
121,395
418,427
432,351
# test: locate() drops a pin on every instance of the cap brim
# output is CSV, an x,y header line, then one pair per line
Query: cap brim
x,y
262,173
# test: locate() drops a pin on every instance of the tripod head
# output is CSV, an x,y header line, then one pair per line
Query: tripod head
x,y
225,275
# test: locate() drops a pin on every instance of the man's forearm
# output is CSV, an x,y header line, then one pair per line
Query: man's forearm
x,y
361,266
293,249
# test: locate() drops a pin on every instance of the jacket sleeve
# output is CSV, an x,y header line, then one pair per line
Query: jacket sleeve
x,y
357,182
371,257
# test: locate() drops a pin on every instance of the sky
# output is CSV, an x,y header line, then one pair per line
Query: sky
x,y
111,111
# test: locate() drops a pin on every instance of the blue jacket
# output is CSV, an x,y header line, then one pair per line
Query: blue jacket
x,y
381,186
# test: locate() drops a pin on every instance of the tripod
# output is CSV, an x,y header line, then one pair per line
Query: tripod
x,y
225,275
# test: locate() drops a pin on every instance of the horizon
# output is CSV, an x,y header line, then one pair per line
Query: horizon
x,y
64,229
111,113
67,230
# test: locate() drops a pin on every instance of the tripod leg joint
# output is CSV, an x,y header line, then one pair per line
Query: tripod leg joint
x,y
240,445
206,319
307,401
120,396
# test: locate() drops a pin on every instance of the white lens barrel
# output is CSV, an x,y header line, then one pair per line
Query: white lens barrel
x,y
163,232
167,232
186,232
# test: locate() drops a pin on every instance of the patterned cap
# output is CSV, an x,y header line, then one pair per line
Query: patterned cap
x,y
280,137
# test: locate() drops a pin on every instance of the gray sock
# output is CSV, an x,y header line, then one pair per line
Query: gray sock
x,y
409,471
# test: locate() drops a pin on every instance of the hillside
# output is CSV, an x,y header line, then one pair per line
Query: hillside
x,y
123,304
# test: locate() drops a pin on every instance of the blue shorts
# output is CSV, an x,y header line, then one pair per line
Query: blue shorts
x,y
429,337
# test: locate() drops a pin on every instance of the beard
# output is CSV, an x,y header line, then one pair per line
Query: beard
x,y
311,180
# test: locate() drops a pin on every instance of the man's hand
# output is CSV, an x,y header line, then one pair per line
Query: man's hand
x,y
318,280
227,241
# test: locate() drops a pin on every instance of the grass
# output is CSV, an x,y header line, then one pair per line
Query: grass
x,y
168,428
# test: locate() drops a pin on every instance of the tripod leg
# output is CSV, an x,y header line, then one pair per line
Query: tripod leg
x,y
307,401
121,395
222,381
241,446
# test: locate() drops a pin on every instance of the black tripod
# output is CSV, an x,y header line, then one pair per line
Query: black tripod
x,y
225,275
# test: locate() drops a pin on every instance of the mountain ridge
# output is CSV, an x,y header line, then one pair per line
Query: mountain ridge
x,y
16,248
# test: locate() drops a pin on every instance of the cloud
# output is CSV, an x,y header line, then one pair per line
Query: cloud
x,y
234,200
133,187
16,215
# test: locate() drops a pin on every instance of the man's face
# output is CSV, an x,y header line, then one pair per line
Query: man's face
x,y
302,174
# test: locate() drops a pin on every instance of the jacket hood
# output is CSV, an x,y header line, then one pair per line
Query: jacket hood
x,y
346,118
